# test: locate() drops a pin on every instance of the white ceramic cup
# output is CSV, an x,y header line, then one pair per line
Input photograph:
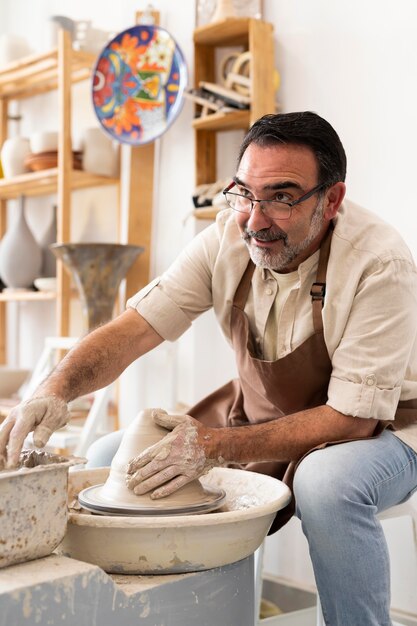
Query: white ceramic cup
x,y
99,153
43,141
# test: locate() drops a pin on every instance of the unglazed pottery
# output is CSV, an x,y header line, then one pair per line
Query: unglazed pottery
x,y
169,544
20,254
114,496
97,269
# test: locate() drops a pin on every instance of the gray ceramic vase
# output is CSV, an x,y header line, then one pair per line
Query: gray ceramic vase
x,y
20,254
48,268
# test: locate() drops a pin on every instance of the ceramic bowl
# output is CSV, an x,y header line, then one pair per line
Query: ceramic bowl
x,y
45,284
169,544
43,142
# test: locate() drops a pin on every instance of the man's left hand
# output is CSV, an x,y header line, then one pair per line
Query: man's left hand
x,y
179,458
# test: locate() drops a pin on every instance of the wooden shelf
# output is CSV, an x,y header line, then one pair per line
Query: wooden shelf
x,y
38,73
254,36
46,182
229,32
27,296
223,121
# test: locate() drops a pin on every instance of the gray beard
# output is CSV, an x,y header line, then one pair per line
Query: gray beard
x,y
277,261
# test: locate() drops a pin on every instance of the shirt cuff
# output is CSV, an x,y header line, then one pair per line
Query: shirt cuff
x,y
166,317
363,399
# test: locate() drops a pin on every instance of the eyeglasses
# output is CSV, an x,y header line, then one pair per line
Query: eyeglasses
x,y
275,209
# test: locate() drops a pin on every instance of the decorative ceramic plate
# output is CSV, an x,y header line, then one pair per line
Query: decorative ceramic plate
x,y
138,84
90,499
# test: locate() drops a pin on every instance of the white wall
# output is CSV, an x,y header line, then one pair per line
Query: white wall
x,y
352,62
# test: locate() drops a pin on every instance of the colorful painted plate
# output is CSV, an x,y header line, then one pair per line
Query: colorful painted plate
x,y
138,84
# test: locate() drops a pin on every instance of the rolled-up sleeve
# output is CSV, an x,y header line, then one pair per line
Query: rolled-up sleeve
x,y
370,363
162,313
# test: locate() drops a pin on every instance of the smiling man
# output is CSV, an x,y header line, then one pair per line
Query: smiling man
x,y
318,298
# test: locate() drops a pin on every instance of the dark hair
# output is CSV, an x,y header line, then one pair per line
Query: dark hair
x,y
306,129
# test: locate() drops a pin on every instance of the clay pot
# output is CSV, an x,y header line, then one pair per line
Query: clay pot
x,y
141,434
20,254
13,154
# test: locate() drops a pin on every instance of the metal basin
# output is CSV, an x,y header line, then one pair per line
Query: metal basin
x,y
176,544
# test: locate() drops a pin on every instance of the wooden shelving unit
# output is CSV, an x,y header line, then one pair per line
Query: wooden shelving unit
x,y
46,181
57,70
250,34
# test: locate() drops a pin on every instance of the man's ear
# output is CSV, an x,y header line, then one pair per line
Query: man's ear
x,y
333,200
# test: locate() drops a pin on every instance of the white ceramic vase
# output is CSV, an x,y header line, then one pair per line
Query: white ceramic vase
x,y
13,154
20,254
99,153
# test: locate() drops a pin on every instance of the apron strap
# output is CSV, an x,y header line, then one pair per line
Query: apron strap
x,y
318,288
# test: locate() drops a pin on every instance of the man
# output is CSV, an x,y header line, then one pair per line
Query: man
x,y
318,299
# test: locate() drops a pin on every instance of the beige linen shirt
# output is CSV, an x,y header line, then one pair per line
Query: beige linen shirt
x,y
369,315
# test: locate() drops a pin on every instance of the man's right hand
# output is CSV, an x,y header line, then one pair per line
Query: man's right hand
x,y
42,415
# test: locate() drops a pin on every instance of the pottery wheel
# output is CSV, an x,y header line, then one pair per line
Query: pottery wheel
x,y
92,500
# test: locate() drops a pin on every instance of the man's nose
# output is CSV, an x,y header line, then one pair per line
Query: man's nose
x,y
257,219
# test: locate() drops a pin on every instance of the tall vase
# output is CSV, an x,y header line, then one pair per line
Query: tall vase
x,y
97,270
48,268
20,254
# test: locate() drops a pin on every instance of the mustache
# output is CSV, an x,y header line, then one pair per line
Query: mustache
x,y
266,234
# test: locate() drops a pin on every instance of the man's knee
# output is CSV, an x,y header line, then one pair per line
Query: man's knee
x,y
318,485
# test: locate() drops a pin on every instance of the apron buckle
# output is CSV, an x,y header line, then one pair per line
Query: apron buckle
x,y
318,291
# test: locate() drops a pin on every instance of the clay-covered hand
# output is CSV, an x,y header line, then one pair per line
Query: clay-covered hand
x,y
179,458
42,415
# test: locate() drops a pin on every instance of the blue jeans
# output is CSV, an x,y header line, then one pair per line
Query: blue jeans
x,y
339,491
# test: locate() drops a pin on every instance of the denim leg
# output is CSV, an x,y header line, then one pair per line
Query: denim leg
x,y
102,451
339,491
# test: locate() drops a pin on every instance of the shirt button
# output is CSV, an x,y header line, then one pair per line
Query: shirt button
x,y
370,380
268,292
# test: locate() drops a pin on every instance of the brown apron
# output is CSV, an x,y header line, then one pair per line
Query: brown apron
x,y
268,390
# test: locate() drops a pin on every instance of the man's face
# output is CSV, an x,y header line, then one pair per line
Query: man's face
x,y
280,172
